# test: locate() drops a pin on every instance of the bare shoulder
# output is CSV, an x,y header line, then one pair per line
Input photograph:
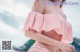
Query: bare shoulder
x,y
49,7
38,6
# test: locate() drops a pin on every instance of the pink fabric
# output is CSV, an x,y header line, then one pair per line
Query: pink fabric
x,y
38,47
47,22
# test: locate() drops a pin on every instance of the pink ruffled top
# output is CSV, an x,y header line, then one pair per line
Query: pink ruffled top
x,y
47,22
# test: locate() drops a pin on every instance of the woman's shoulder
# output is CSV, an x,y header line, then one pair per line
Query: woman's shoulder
x,y
38,6
40,2
41,6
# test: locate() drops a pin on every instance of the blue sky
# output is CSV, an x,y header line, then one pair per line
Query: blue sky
x,y
13,14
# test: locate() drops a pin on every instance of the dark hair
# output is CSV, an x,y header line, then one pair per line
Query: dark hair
x,y
62,2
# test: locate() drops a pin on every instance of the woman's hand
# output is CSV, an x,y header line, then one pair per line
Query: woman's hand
x,y
67,48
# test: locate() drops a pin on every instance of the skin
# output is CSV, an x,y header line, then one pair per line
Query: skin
x,y
49,39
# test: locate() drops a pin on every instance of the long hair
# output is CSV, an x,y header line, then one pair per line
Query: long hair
x,y
61,4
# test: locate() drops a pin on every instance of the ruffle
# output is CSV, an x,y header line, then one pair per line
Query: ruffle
x,y
34,21
48,22
68,38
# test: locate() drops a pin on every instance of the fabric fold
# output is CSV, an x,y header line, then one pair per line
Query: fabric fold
x,y
48,22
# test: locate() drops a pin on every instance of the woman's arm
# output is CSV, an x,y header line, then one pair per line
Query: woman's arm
x,y
42,38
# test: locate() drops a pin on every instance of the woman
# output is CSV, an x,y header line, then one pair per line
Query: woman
x,y
49,27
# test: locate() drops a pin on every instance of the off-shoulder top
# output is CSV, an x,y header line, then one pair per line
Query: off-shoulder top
x,y
47,22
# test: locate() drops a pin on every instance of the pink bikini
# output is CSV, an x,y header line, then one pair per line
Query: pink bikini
x,y
47,22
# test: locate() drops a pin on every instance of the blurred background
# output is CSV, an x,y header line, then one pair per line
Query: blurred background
x,y
13,14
